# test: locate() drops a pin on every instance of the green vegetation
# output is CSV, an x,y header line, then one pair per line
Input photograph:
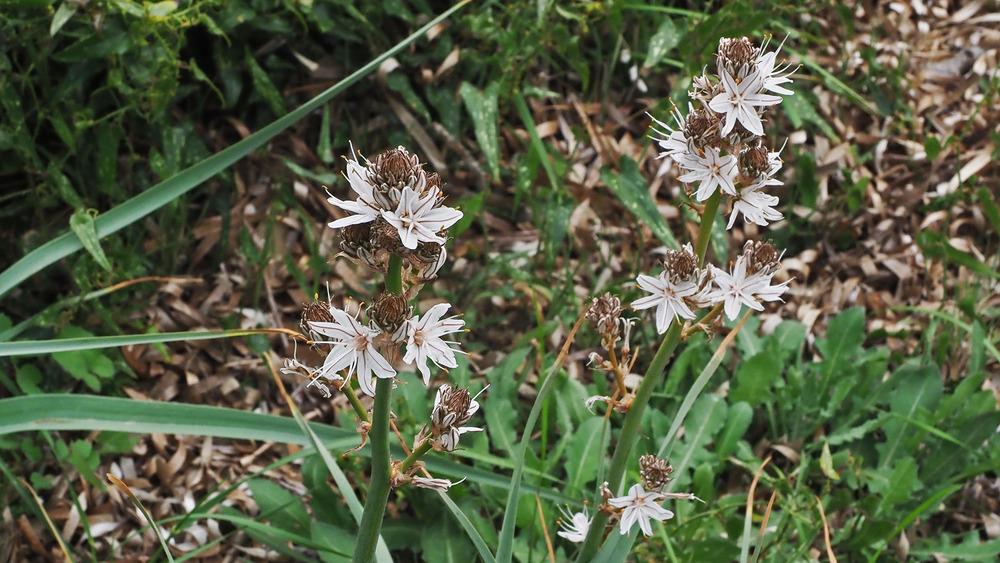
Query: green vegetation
x,y
162,168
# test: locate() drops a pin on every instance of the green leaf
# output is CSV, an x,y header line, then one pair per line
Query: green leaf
x,y
339,541
826,463
898,486
111,41
172,188
28,377
586,448
932,146
633,191
755,377
482,108
844,336
442,541
935,245
800,111
279,506
738,421
990,209
917,392
82,223
263,85
62,15
662,42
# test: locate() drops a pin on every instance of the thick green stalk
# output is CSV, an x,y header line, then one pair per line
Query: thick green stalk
x,y
630,433
378,436
654,377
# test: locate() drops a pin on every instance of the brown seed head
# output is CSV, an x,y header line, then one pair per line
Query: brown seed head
x,y
395,168
736,53
655,472
754,161
355,237
761,257
389,311
680,264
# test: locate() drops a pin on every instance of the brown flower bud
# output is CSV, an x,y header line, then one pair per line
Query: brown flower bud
x,y
754,161
389,311
655,472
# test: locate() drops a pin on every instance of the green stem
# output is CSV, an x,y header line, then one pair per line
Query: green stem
x,y
630,433
705,230
352,398
415,455
654,377
378,489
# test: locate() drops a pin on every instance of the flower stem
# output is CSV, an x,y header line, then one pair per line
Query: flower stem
x,y
415,455
630,433
352,398
705,230
378,489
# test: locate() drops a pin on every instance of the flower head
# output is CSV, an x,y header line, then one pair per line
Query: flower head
x,y
674,289
419,217
424,340
749,282
640,506
712,169
578,526
351,347
739,101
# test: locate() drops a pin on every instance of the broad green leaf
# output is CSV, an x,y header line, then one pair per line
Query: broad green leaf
x,y
279,506
707,416
754,378
82,223
737,423
896,486
340,542
844,336
482,107
917,392
661,43
112,40
586,450
442,541
632,189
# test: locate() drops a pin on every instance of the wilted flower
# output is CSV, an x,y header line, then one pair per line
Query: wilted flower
x,y
436,484
453,408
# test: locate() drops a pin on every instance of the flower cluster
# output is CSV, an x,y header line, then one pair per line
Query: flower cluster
x,y
642,503
718,145
398,211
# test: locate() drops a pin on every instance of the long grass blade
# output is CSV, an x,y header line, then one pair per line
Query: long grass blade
x,y
170,189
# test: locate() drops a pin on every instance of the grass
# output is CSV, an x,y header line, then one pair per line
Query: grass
x,y
203,140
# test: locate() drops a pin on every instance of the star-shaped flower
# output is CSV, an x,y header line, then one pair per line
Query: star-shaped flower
x,y
772,76
668,298
672,141
755,206
366,207
418,217
640,506
713,171
578,526
740,288
351,348
739,102
424,340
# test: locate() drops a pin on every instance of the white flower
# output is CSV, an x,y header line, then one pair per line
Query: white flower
x,y
364,209
672,141
578,526
739,288
667,297
712,170
739,102
755,206
640,506
771,75
351,348
419,218
424,340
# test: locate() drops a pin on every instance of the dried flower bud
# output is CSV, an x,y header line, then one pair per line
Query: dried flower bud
x,y
354,238
754,161
655,472
761,257
317,311
452,410
393,170
737,54
702,127
604,312
385,236
389,311
680,265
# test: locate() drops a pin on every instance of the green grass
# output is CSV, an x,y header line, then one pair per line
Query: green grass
x,y
141,120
